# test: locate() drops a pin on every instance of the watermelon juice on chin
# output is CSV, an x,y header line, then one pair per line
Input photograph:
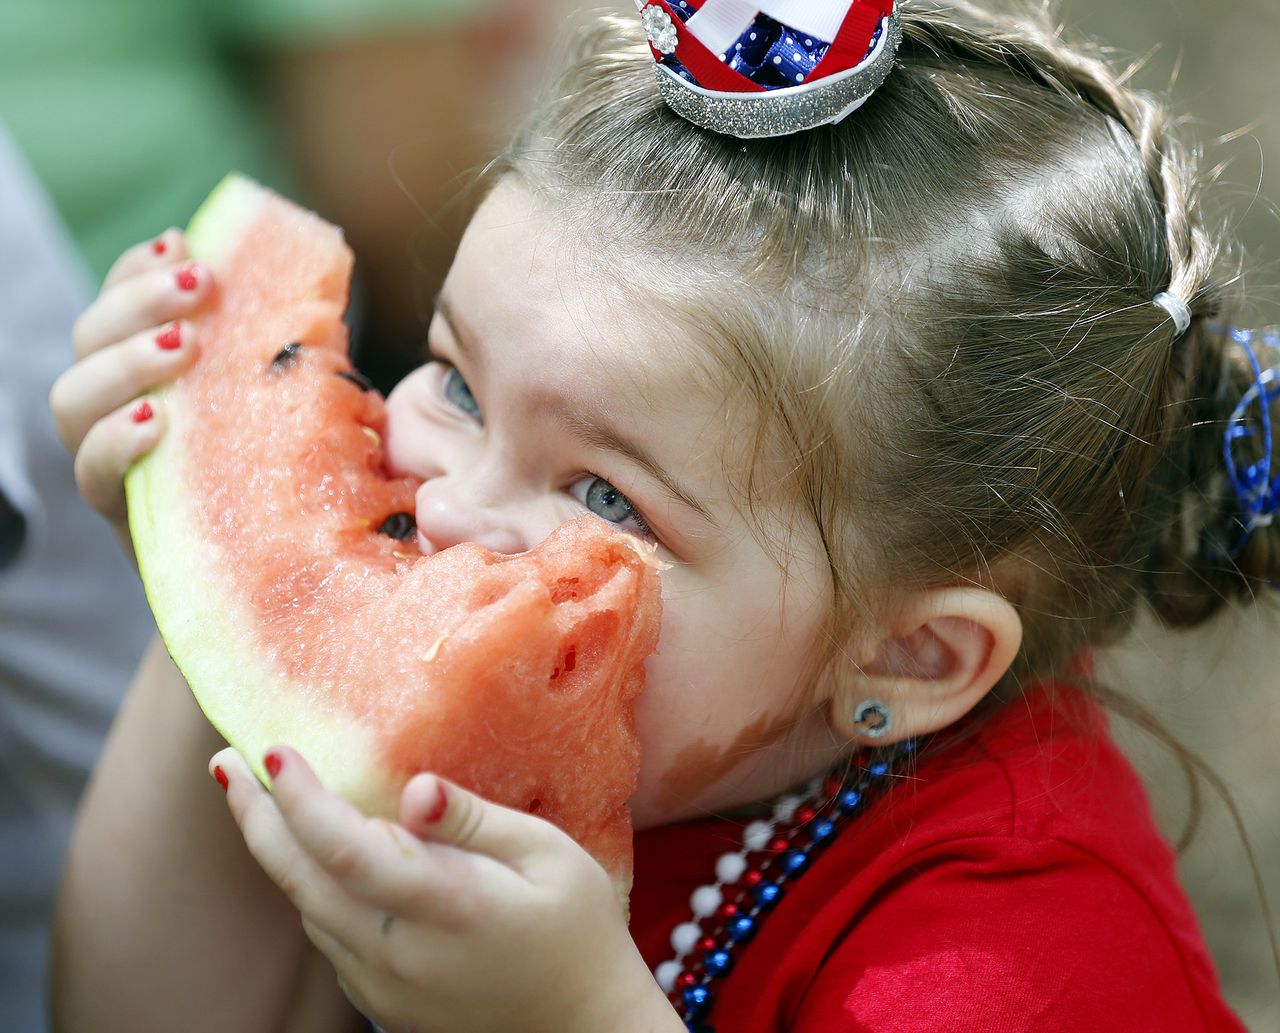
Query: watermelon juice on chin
x,y
319,624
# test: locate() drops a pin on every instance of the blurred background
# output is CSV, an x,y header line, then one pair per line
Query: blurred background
x,y
117,118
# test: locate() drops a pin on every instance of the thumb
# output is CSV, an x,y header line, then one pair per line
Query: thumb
x,y
438,811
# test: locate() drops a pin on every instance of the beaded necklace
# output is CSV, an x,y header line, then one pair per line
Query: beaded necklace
x,y
750,882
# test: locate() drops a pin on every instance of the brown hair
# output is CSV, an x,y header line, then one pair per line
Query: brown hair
x,y
943,310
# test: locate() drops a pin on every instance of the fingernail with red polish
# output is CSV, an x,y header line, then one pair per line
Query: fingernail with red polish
x,y
438,808
158,246
170,339
187,278
272,761
142,413
220,776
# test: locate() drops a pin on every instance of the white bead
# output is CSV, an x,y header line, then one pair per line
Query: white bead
x,y
756,835
684,936
785,808
729,867
666,974
705,900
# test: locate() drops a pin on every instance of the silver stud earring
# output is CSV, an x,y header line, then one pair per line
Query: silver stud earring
x,y
873,718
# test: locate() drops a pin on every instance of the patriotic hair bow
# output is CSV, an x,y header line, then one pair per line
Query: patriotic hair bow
x,y
751,68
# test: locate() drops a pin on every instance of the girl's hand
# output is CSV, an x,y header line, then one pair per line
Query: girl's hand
x,y
463,916
130,340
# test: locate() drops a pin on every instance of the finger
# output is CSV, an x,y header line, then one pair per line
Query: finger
x,y
112,376
169,248
329,945
324,905
129,307
439,811
373,859
108,449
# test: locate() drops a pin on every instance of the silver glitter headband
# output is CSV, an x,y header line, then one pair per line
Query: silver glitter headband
x,y
775,109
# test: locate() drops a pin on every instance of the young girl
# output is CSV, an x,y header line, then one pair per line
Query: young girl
x,y
920,404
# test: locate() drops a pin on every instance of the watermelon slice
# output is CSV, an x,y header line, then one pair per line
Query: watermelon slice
x,y
281,562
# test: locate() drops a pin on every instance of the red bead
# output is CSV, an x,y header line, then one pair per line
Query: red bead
x,y
778,844
729,910
832,786
686,980
805,815
753,877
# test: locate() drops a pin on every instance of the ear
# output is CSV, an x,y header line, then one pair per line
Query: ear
x,y
940,651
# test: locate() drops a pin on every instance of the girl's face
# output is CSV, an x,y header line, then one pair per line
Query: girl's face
x,y
550,395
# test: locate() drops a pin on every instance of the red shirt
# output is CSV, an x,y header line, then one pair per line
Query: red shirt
x,y
1016,883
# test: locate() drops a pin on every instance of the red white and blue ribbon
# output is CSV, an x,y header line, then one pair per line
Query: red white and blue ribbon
x,y
1256,480
769,67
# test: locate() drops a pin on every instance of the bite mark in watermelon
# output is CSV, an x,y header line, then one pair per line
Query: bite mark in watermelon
x,y
281,563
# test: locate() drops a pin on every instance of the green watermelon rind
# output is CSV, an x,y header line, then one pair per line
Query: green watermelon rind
x,y
212,637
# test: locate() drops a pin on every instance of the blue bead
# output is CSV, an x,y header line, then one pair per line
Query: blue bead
x,y
696,997
794,861
718,962
849,800
822,831
767,894
741,928
879,768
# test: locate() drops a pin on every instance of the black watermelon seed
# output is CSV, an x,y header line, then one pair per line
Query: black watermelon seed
x,y
357,378
401,526
286,356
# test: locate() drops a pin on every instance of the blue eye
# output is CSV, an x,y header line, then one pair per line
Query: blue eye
x,y
608,503
458,394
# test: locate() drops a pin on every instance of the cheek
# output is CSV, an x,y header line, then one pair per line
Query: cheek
x,y
725,688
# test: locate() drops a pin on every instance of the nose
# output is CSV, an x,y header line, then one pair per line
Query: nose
x,y
451,511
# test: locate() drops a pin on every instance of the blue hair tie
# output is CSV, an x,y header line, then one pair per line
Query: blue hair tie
x,y
1257,484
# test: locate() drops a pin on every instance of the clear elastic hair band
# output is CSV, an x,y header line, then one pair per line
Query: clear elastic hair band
x,y
1178,309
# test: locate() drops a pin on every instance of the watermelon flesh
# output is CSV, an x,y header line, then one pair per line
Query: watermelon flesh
x,y
280,561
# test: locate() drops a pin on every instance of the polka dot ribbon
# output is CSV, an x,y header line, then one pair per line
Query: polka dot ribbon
x,y
732,46
772,55
758,68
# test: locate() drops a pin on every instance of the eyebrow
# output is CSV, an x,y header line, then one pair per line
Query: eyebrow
x,y
591,433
